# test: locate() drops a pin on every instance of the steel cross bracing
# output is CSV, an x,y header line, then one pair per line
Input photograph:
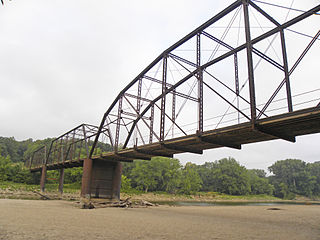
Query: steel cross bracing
x,y
213,81
69,149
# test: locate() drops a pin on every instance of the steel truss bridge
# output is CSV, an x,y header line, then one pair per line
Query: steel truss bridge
x,y
243,76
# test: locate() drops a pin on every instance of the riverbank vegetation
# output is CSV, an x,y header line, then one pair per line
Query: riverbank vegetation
x,y
225,177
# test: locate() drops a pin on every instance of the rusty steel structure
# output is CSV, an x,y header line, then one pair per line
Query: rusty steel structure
x,y
204,92
143,116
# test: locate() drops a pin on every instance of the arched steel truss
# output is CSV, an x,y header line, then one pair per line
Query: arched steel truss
x,y
125,122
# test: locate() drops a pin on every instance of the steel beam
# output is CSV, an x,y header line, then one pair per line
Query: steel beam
x,y
181,148
264,130
163,99
152,154
218,142
200,85
286,70
250,62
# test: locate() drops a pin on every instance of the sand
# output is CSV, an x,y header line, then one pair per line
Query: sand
x,y
36,219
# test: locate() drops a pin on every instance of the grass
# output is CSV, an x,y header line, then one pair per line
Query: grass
x,y
50,187
74,188
12,186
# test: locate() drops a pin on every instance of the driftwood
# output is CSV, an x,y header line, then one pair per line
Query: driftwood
x,y
146,203
127,203
42,195
122,203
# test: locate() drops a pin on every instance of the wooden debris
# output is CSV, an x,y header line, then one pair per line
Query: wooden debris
x,y
127,203
122,203
42,195
146,203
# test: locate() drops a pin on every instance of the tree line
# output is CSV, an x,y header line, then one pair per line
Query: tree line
x,y
289,177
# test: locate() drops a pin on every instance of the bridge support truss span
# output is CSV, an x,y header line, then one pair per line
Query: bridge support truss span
x,y
210,79
216,87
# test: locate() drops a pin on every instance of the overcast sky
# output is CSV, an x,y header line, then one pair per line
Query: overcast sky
x,y
62,63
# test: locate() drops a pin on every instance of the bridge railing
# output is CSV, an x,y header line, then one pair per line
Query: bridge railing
x,y
214,78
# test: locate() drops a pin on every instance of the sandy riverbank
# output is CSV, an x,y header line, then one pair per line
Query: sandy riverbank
x,y
30,219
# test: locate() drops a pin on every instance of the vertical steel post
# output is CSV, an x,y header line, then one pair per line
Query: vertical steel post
x,y
151,124
200,85
173,111
116,182
236,77
138,106
86,178
73,153
286,70
163,99
85,140
61,180
236,73
250,62
116,144
139,95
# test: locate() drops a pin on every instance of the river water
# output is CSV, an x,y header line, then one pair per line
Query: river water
x,y
232,203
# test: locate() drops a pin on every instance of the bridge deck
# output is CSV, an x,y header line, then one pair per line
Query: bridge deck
x,y
285,126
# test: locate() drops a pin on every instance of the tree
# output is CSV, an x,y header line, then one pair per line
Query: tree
x,y
206,173
314,170
145,175
191,181
259,184
231,178
4,166
258,172
159,174
292,175
125,184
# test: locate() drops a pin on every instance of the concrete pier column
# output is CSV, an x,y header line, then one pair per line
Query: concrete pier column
x,y
116,183
86,178
61,179
43,178
101,179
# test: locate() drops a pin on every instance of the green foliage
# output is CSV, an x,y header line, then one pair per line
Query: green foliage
x,y
144,174
191,181
206,173
314,170
231,177
259,183
125,184
258,172
20,150
73,175
15,172
4,166
294,176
